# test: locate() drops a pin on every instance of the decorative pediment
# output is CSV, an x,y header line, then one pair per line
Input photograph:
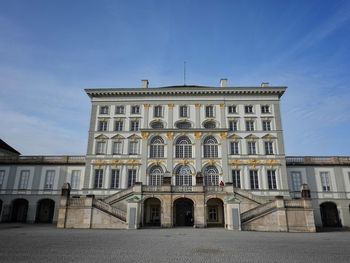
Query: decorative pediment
x,y
101,137
234,137
251,137
118,137
134,137
268,137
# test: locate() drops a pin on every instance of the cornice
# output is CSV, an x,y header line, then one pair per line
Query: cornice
x,y
185,90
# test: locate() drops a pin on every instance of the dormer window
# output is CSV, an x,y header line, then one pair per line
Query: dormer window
x,y
209,111
248,109
232,109
104,109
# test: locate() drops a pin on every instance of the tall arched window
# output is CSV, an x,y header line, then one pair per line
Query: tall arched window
x,y
156,147
210,147
211,175
156,175
183,175
183,147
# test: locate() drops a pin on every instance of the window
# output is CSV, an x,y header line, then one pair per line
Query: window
x,y
248,109
209,111
157,147
232,109
75,180
119,109
134,125
131,177
232,126
117,147
98,178
183,125
266,125
325,181
236,178
183,175
271,179
183,111
135,109
100,147
118,125
234,150
133,147
211,176
210,147
265,109
104,110
249,125
156,175
102,126
254,181
49,179
115,178
2,178
157,125
209,125
296,181
268,148
183,147
158,111
251,147
23,180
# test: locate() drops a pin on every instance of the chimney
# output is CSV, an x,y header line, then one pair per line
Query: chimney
x,y
144,83
223,83
264,84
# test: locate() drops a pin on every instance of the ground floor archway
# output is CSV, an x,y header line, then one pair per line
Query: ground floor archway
x,y
183,212
0,208
19,210
152,212
215,213
45,211
330,215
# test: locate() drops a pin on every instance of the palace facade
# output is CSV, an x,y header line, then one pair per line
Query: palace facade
x,y
180,156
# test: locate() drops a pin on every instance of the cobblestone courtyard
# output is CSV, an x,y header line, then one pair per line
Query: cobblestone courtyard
x,y
45,243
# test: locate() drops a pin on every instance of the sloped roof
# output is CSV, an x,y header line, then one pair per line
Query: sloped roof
x,y
5,146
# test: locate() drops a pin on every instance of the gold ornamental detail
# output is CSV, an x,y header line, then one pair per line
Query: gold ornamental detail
x,y
222,105
253,162
170,135
171,105
197,105
198,135
146,106
272,162
144,135
235,162
223,135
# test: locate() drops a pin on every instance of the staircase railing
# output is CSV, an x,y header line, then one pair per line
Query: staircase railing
x,y
117,196
110,209
250,196
257,211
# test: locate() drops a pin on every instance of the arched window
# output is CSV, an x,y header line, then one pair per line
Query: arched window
x,y
209,125
210,147
157,125
183,147
156,175
157,147
183,175
211,175
183,125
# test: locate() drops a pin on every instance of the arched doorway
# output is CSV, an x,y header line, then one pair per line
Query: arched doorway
x,y
152,212
215,213
330,215
44,211
183,212
0,208
19,210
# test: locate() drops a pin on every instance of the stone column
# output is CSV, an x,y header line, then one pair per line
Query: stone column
x,y
167,211
169,151
170,116
199,212
145,115
198,152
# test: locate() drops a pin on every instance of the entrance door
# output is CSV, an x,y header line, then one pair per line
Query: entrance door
x,y
45,210
330,215
183,212
19,210
152,212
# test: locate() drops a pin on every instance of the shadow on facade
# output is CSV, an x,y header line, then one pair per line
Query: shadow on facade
x,y
330,215
45,210
19,210
152,212
215,213
183,212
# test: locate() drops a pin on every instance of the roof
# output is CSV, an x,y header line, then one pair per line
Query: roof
x,y
5,146
185,90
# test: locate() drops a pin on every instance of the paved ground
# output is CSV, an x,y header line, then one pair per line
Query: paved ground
x,y
45,243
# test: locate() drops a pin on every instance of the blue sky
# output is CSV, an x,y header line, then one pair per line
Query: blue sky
x,y
51,50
